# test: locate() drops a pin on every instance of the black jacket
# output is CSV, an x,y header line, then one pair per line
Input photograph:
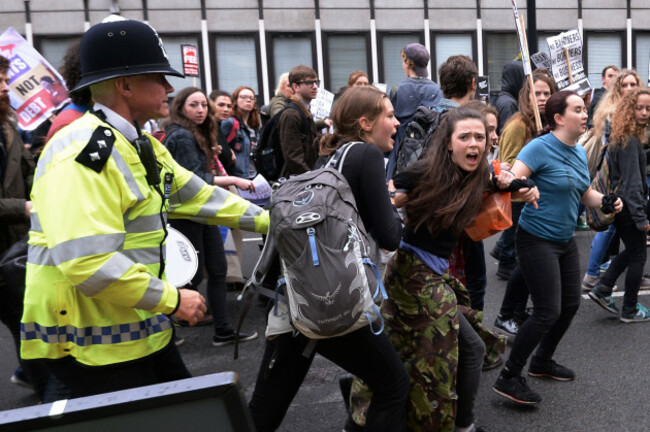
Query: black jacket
x,y
628,165
14,187
506,102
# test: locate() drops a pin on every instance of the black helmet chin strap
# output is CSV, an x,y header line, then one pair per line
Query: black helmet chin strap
x,y
148,158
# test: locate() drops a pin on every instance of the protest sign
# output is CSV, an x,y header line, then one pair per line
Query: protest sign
x,y
262,193
483,88
541,60
322,105
36,90
566,59
190,60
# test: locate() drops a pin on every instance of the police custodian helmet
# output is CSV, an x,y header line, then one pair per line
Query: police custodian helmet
x,y
121,48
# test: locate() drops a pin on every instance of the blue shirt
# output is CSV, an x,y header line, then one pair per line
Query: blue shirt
x,y
562,177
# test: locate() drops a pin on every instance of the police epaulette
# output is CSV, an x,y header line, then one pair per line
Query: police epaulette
x,y
98,150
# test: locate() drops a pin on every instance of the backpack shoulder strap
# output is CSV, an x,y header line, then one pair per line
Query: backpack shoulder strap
x,y
304,127
233,132
338,158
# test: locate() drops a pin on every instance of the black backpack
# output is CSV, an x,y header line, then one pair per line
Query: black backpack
x,y
267,154
417,136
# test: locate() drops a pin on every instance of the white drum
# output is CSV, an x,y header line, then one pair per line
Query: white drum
x,y
182,260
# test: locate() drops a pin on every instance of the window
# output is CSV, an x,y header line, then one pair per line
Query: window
x,y
543,44
391,72
642,58
173,48
345,54
54,49
290,50
447,45
236,62
603,49
500,49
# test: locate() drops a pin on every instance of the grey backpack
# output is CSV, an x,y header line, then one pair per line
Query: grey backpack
x,y
331,284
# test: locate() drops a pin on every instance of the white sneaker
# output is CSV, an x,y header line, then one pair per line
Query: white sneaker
x,y
589,282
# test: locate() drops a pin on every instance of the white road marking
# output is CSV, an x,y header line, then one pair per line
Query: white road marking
x,y
620,294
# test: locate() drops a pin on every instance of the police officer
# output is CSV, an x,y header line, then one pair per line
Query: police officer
x,y
97,303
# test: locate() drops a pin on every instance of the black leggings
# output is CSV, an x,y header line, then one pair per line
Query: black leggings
x,y
552,273
372,358
633,258
212,257
471,350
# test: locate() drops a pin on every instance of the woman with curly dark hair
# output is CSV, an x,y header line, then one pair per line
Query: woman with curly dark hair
x,y
191,137
627,167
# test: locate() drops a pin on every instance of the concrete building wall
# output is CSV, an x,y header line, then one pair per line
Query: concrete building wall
x,y
61,20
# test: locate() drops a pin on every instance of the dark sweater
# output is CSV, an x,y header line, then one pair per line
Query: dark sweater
x,y
628,165
363,168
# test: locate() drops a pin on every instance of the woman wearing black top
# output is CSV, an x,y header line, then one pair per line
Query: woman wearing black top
x,y
362,114
445,191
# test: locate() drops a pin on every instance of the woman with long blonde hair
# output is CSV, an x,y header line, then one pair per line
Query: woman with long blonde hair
x,y
627,168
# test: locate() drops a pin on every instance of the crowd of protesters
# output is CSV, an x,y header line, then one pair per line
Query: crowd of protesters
x,y
95,313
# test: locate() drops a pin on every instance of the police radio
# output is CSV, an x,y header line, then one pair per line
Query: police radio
x,y
147,157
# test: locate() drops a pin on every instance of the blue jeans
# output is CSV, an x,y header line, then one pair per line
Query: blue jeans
x,y
599,247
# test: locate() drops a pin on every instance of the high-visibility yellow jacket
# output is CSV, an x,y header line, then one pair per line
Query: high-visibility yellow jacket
x,y
92,288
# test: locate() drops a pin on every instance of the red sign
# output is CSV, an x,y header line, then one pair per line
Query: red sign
x,y
190,60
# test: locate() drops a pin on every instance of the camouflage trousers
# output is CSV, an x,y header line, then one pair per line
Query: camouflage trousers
x,y
421,316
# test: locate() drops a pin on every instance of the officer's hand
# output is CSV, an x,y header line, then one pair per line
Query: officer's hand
x,y
28,208
192,307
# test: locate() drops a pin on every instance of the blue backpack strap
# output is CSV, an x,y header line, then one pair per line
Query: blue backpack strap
x,y
381,319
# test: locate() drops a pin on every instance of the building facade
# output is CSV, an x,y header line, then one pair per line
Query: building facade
x,y
251,42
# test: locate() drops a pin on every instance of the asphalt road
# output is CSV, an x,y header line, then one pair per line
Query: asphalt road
x,y
611,360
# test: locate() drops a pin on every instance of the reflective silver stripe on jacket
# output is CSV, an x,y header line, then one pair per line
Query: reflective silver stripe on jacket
x,y
247,221
152,296
57,146
35,223
126,172
111,271
149,255
85,336
75,248
187,192
215,202
143,224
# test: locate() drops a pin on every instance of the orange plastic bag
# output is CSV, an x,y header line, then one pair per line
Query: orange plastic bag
x,y
495,215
